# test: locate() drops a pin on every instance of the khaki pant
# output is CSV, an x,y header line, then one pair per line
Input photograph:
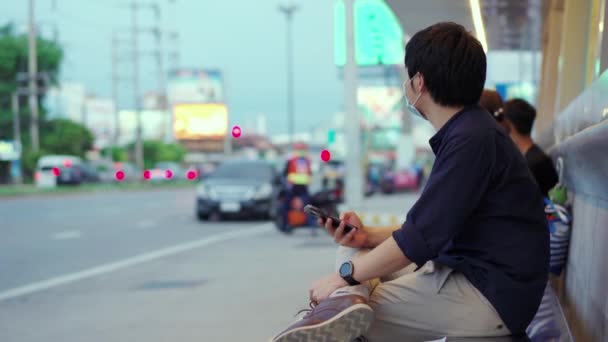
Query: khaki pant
x,y
431,303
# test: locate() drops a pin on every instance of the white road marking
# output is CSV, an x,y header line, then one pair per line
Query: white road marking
x,y
136,260
145,224
67,235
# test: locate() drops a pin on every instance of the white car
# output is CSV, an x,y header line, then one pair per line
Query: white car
x,y
54,170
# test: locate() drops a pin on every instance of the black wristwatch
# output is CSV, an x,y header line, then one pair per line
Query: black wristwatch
x,y
346,272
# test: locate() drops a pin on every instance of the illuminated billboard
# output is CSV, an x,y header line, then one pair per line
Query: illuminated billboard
x,y
195,121
378,34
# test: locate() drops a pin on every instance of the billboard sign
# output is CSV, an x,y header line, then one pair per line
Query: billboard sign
x,y
195,121
378,34
9,150
195,86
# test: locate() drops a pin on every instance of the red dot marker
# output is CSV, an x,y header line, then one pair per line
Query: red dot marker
x,y
325,155
168,174
236,131
147,174
56,171
191,175
120,175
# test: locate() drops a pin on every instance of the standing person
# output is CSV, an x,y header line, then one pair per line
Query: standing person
x,y
477,235
519,117
297,173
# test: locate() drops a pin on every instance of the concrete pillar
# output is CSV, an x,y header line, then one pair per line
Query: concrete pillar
x,y
572,64
354,178
594,41
552,37
604,37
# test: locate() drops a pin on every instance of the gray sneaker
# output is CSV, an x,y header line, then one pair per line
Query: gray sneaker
x,y
336,319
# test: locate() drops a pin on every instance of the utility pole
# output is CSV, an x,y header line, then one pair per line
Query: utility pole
x,y
354,179
16,118
17,130
115,79
139,146
173,37
173,60
174,52
117,58
289,11
84,109
158,33
162,79
33,79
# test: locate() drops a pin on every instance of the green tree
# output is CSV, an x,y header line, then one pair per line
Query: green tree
x,y
13,60
116,153
172,152
156,151
62,136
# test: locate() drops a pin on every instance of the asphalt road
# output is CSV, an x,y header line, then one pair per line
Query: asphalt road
x,y
138,266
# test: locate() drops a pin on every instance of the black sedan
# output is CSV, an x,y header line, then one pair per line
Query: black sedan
x,y
238,188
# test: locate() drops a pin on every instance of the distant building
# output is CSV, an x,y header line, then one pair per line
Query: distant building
x,y
99,117
66,101
153,125
70,101
261,125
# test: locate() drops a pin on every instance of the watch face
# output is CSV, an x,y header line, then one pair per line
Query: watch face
x,y
346,269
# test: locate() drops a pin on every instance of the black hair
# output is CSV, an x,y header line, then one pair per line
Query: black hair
x,y
452,62
520,114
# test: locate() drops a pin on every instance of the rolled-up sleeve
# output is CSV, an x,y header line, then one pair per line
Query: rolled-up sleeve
x,y
459,178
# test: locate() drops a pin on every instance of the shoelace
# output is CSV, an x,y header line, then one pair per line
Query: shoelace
x,y
311,305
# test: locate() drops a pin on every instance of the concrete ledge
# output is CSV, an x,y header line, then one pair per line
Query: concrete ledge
x,y
381,219
376,217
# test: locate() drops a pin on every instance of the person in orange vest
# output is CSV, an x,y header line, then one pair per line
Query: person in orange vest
x,y
298,174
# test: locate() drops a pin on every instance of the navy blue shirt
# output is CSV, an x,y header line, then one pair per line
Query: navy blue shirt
x,y
481,213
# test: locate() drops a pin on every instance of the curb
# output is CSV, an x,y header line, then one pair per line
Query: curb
x,y
381,219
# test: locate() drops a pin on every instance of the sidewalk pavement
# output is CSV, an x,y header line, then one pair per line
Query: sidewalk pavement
x,y
384,210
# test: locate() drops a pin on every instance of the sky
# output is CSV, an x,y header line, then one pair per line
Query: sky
x,y
246,39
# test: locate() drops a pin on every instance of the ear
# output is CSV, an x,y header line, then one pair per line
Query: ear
x,y
421,85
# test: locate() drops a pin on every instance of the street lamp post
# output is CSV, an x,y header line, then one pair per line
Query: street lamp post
x,y
289,11
32,74
354,181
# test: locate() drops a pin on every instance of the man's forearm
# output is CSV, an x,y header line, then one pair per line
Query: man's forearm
x,y
377,235
380,261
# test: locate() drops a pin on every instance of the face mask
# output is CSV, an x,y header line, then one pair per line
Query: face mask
x,y
409,105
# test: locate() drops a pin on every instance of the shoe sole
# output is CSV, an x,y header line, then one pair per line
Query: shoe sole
x,y
344,327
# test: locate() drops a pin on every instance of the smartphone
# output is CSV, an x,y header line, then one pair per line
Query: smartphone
x,y
322,214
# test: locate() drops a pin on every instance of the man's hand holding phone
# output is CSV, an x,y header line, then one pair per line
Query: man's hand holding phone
x,y
355,238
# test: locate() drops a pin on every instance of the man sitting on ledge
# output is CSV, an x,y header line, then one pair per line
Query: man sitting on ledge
x,y
472,256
